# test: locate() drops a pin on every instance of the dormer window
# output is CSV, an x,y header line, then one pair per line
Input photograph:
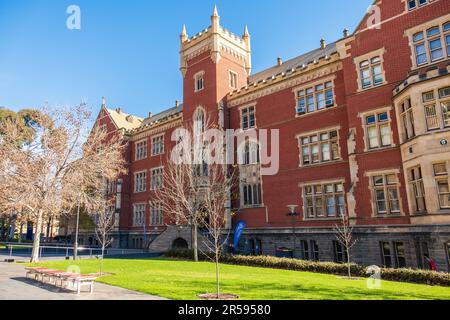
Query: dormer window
x,y
199,81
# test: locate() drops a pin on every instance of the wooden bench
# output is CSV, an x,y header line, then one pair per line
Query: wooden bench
x,y
65,279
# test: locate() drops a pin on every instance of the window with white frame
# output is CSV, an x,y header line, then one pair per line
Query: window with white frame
x,y
371,72
437,108
386,194
233,79
140,181
442,184
156,178
326,200
156,214
141,150
138,215
407,120
378,130
248,117
252,195
319,148
315,98
250,153
199,122
415,180
413,4
199,81
432,44
157,145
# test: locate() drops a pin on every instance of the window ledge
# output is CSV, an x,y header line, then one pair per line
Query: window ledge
x,y
380,149
316,112
387,215
159,154
321,219
259,206
361,90
322,164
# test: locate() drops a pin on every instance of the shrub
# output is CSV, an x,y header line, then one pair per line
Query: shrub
x,y
401,275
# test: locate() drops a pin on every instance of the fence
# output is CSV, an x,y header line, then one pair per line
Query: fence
x,y
25,250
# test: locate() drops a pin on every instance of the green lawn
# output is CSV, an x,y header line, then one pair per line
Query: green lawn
x,y
185,280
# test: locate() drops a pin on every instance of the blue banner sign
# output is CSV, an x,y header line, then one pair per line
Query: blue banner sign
x,y
240,227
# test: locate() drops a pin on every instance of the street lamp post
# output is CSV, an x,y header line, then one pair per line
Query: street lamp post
x,y
292,213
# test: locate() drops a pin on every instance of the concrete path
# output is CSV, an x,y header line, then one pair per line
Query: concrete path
x,y
15,286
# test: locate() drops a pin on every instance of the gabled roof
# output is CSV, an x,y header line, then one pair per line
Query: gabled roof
x,y
294,63
123,120
162,115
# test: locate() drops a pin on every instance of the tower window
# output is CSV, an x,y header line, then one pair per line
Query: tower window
x,y
199,81
233,80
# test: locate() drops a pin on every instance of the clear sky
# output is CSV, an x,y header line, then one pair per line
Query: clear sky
x,y
128,51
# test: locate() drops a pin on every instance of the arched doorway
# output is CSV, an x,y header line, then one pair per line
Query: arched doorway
x,y
180,243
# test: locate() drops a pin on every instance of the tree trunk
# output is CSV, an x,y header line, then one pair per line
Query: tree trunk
x,y
37,238
20,233
103,255
195,241
217,275
348,264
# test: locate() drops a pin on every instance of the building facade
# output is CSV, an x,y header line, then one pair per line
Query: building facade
x,y
364,128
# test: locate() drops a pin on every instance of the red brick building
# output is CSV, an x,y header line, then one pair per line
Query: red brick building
x,y
364,125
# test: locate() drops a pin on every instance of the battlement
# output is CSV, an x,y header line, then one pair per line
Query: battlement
x,y
215,39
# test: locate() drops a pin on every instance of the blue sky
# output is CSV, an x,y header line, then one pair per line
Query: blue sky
x,y
128,51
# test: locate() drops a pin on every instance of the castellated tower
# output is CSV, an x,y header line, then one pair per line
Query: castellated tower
x,y
213,63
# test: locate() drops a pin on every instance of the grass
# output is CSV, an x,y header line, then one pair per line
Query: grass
x,y
184,280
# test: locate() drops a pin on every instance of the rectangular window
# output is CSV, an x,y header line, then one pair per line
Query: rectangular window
x,y
421,253
407,119
199,82
385,190
319,148
400,256
156,178
157,145
340,255
156,214
252,195
250,154
140,180
315,98
141,150
315,251
413,4
138,215
386,254
437,108
233,80
371,72
442,184
248,118
324,201
304,250
431,45
416,183
378,130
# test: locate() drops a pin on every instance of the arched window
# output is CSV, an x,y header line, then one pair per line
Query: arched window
x,y
199,121
250,153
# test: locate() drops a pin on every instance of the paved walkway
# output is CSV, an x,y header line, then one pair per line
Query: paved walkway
x,y
15,286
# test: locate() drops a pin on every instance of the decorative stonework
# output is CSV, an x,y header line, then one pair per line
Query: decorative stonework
x,y
284,81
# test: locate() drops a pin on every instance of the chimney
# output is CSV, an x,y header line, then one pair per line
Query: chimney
x,y
279,61
119,110
177,103
323,43
150,114
346,33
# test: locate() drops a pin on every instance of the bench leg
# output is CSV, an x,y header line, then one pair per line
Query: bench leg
x,y
92,287
79,288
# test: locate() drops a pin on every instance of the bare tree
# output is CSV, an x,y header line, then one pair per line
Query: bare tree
x,y
180,196
344,235
45,174
104,221
215,211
